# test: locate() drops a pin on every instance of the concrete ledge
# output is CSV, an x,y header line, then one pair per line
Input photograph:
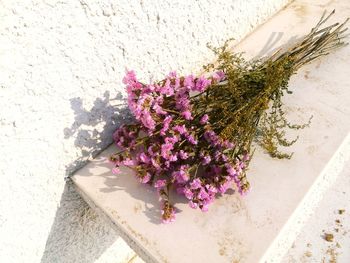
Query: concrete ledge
x,y
261,226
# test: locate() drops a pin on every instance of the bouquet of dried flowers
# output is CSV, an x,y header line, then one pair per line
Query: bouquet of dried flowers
x,y
194,134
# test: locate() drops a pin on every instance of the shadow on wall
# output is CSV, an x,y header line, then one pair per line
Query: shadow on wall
x,y
88,138
78,234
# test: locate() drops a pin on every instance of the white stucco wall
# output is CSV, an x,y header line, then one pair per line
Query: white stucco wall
x,y
61,65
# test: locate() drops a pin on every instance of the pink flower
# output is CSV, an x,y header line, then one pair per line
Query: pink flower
x,y
187,115
204,208
182,103
150,88
224,157
188,193
136,109
145,179
223,187
219,76
181,176
172,74
147,120
167,89
159,99
202,83
217,155
204,119
171,139
130,77
116,170
206,160
144,158
228,144
191,139
183,155
189,82
211,189
195,184
172,158
180,129
167,163
151,151
211,137
230,170
155,164
166,150
128,162
160,184
158,109
202,194
166,123
193,204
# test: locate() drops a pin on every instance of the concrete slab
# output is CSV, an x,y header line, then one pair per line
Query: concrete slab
x,y
262,225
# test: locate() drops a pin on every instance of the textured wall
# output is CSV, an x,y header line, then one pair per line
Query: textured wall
x,y
61,64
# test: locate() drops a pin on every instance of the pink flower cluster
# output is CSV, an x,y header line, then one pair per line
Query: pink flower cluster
x,y
172,146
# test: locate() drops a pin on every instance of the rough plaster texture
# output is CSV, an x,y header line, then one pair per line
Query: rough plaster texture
x,y
61,64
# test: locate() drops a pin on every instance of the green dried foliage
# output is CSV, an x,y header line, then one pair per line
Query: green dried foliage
x,y
248,106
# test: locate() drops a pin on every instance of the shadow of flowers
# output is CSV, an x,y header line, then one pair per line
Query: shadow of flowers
x,y
93,128
78,234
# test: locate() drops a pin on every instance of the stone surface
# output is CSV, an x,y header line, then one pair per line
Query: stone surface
x,y
61,65
331,217
263,225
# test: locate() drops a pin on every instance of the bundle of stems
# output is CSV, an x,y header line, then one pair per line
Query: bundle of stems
x,y
238,106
